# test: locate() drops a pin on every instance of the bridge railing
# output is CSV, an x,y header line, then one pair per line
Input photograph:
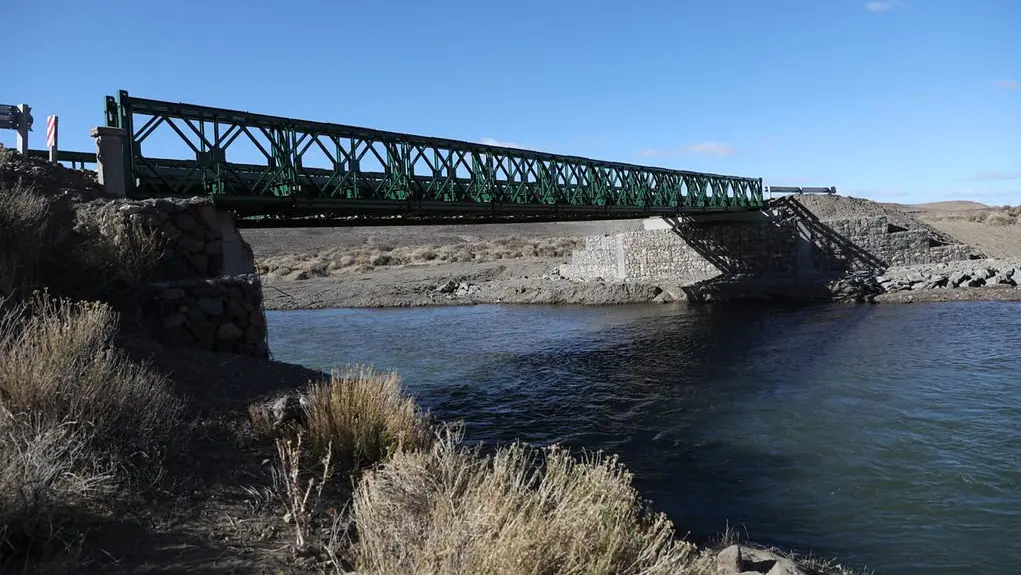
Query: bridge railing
x,y
74,160
300,162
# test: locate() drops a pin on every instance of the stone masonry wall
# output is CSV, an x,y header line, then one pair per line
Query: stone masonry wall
x,y
215,314
889,245
702,252
690,253
696,252
187,300
599,258
189,228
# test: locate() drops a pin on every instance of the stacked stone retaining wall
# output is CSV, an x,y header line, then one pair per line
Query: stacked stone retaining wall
x,y
694,252
889,245
191,297
188,231
215,314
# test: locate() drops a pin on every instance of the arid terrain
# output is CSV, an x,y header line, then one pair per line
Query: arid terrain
x,y
997,231
518,263
121,454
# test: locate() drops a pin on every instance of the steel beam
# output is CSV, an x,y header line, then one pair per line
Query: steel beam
x,y
363,170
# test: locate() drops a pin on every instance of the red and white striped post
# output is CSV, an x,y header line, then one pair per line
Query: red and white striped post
x,y
51,137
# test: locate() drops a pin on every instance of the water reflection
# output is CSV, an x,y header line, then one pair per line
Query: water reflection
x,y
883,435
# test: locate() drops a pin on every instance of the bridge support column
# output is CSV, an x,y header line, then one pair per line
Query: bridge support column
x,y
110,168
237,256
805,245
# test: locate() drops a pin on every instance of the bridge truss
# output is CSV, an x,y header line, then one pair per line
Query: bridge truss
x,y
299,172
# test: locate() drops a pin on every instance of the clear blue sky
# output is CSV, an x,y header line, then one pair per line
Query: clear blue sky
x,y
898,100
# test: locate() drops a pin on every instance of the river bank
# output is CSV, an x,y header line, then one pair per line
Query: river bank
x,y
537,281
363,267
148,457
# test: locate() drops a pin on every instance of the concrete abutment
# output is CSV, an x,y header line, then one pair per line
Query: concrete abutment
x,y
783,242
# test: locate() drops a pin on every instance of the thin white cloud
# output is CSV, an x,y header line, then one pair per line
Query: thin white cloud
x,y
492,142
700,149
883,5
994,177
1008,84
711,149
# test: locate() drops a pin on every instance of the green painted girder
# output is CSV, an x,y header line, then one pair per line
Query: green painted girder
x,y
339,168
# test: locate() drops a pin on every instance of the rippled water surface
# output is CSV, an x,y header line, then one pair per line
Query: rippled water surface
x,y
886,436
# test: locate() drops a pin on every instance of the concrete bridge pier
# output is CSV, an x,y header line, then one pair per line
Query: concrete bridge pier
x,y
805,266
237,256
110,169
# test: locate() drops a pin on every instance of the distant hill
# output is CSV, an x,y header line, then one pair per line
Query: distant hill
x,y
949,206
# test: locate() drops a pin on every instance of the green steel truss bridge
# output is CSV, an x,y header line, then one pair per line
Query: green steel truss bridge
x,y
301,173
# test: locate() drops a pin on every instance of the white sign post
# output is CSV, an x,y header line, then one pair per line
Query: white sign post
x,y
24,125
17,118
51,137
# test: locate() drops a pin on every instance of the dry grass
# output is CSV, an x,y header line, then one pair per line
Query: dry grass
x,y
361,259
48,478
363,417
29,235
57,362
302,496
451,510
426,504
40,245
130,256
77,419
1002,216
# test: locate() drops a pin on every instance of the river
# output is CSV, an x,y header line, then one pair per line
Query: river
x,y
886,436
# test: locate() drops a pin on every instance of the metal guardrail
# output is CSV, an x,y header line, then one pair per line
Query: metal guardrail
x,y
76,160
360,169
783,190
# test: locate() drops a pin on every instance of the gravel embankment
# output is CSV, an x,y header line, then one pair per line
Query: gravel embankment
x,y
989,279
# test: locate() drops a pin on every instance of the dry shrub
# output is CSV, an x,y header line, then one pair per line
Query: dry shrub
x,y
363,417
77,420
131,255
29,236
301,495
41,244
450,510
58,364
999,219
361,259
48,478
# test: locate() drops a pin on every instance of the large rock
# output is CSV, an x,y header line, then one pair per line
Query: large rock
x,y
956,279
269,417
211,306
742,560
982,274
229,332
184,222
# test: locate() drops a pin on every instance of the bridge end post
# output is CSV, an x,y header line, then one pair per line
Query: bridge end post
x,y
110,168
